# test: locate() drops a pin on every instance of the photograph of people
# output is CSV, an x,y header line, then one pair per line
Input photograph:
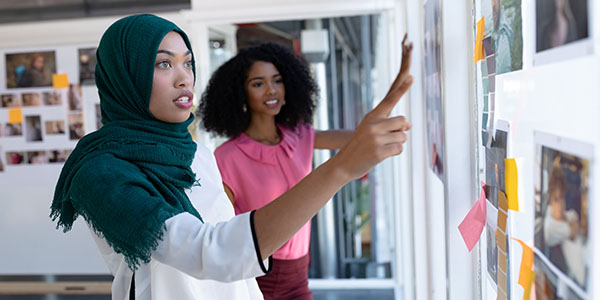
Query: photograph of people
x,y
52,98
37,157
33,129
563,215
31,99
15,158
507,35
30,69
10,100
15,129
167,229
55,127
76,130
87,65
559,22
75,97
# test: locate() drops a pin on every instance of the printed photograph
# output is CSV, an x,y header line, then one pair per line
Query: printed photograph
x,y
15,158
12,129
10,100
98,116
560,22
546,284
31,99
31,69
55,127
52,98
433,87
1,163
57,156
561,215
492,253
504,25
87,65
76,130
75,97
33,129
37,157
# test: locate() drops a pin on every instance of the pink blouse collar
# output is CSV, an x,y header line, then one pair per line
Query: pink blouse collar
x,y
268,153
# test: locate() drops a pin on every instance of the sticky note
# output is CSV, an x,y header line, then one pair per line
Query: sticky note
x,y
526,273
502,261
479,52
501,282
502,202
512,182
60,81
501,240
502,220
15,116
472,225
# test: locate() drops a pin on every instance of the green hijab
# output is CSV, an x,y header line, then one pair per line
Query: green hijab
x,y
128,177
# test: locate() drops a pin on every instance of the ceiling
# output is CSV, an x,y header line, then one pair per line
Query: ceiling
x,y
38,10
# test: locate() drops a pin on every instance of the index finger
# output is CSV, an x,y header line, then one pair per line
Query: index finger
x,y
385,107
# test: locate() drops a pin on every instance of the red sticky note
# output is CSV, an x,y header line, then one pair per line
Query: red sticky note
x,y
60,81
472,225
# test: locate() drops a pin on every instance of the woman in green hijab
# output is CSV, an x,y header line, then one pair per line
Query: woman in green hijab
x,y
132,180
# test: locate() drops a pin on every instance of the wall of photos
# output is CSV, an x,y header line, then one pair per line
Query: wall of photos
x,y
41,120
537,98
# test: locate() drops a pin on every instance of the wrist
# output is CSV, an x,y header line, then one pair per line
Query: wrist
x,y
336,170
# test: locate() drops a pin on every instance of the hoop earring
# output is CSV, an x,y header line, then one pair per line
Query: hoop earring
x,y
244,108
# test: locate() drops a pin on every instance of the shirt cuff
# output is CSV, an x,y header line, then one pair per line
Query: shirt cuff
x,y
268,269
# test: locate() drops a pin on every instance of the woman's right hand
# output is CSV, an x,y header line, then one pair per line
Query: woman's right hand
x,y
378,137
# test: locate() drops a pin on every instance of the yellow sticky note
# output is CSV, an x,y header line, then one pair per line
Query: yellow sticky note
x,y
502,220
526,274
502,202
512,183
15,116
479,52
60,81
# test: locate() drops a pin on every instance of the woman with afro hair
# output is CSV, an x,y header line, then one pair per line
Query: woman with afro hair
x,y
263,100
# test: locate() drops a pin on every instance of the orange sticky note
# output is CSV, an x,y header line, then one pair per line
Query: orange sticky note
x,y
502,220
526,272
15,116
60,81
479,52
472,225
501,240
502,202
502,261
512,183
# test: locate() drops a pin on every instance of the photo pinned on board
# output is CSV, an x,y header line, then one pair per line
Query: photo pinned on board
x,y
37,157
433,87
33,129
30,69
52,97
76,130
562,216
10,101
504,24
75,97
56,127
12,129
98,111
87,65
15,158
31,99
1,162
562,30
58,156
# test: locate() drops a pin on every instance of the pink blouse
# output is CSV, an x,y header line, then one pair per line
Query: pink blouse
x,y
257,174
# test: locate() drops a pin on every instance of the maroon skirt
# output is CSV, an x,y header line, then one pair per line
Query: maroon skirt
x,y
288,280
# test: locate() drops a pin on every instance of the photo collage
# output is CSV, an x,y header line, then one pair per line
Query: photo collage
x,y
34,112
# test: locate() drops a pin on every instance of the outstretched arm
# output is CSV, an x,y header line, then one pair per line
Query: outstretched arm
x,y
376,138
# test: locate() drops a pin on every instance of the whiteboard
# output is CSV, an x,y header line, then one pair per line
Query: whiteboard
x,y
31,243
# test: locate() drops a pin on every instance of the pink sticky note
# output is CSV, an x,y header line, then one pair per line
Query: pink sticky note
x,y
472,226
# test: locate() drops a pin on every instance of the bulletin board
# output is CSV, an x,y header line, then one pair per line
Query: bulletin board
x,y
538,142
48,102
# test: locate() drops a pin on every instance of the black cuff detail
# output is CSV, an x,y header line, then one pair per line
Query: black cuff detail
x,y
255,239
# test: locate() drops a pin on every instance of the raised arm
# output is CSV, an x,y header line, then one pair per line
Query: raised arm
x,y
332,139
376,138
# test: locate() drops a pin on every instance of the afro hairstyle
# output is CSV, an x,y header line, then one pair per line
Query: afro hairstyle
x,y
221,107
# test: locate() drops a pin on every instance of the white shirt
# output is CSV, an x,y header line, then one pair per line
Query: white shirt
x,y
216,260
